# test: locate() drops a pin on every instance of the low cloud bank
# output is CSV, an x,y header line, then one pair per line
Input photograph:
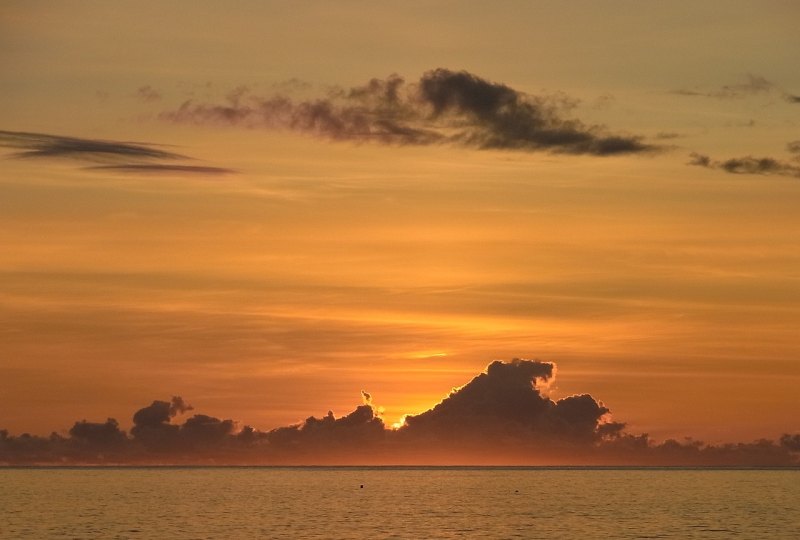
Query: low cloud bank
x,y
499,417
443,106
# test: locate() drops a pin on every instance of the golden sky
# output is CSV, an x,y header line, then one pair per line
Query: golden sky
x,y
304,265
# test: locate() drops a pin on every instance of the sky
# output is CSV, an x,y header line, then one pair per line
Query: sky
x,y
267,208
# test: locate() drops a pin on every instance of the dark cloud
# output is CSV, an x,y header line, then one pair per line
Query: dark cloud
x,y
40,145
152,427
794,148
444,106
203,430
500,416
119,156
159,412
102,435
321,438
148,93
505,402
752,85
700,160
145,168
747,165
792,442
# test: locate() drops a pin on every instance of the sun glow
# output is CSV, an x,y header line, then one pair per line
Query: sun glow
x,y
422,355
400,423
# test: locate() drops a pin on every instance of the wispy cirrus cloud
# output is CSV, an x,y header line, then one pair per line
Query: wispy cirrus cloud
x,y
123,156
442,107
156,168
751,86
41,145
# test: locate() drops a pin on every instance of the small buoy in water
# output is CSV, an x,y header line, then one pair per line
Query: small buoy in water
x,y
516,491
362,486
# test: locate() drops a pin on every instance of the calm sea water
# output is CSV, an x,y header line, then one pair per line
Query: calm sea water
x,y
414,503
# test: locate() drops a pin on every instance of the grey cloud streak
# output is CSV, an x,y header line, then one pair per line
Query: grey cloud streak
x,y
443,106
122,156
751,86
42,145
499,417
161,168
747,165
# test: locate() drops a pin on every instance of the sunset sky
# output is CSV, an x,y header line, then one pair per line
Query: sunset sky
x,y
188,206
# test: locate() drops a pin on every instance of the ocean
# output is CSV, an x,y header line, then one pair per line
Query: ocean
x,y
397,502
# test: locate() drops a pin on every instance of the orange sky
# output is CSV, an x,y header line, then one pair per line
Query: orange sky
x,y
320,268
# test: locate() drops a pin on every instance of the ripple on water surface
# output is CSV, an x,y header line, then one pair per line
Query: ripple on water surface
x,y
297,503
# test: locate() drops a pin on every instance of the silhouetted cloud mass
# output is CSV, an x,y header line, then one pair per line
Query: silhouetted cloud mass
x,y
501,416
503,401
119,156
747,165
444,106
106,434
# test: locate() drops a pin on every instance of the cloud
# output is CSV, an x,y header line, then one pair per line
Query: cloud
x,y
40,145
500,417
148,93
106,434
319,439
747,165
203,430
443,106
159,413
119,156
792,442
145,168
504,403
152,427
751,85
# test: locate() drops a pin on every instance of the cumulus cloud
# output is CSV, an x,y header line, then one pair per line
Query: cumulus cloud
x,y
97,434
159,413
747,165
443,106
792,442
504,406
500,416
121,156
320,438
